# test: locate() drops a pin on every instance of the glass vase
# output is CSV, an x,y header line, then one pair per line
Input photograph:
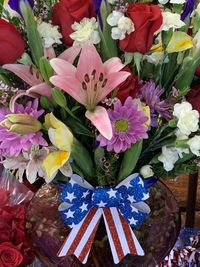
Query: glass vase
x,y
46,231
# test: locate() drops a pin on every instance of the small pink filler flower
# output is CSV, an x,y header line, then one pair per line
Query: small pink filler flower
x,y
128,126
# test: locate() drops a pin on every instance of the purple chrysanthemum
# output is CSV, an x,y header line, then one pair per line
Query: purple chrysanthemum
x,y
150,94
127,124
11,144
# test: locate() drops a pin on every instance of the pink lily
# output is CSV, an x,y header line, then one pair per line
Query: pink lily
x,y
32,76
90,83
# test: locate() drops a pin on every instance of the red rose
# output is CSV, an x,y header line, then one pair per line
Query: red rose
x,y
18,231
10,256
11,43
129,87
147,20
194,97
3,197
66,12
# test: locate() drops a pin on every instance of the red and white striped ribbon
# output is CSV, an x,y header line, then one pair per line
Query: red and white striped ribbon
x,y
120,235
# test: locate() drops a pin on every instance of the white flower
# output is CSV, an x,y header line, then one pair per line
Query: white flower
x,y
194,144
198,9
146,171
12,13
188,119
114,17
34,166
49,34
179,2
168,157
121,25
154,58
112,2
171,21
196,42
86,30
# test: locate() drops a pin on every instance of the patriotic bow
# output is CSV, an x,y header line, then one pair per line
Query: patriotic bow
x,y
121,207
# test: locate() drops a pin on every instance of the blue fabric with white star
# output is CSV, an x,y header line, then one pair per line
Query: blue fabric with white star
x,y
80,200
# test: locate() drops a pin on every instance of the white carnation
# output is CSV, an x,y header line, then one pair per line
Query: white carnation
x,y
194,144
49,34
146,171
168,157
171,21
188,119
85,30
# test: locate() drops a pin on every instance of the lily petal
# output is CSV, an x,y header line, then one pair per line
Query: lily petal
x,y
41,89
15,97
89,61
54,161
30,75
100,119
114,79
71,86
62,67
49,52
180,41
70,54
113,65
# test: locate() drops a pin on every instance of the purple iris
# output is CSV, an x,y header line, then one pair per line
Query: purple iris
x,y
97,10
189,6
14,4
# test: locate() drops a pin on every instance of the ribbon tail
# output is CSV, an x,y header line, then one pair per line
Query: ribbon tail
x,y
120,235
80,239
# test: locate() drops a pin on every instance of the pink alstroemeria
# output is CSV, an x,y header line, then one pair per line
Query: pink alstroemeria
x,y
32,76
90,83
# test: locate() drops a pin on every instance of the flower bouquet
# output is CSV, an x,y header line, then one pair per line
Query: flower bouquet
x,y
96,99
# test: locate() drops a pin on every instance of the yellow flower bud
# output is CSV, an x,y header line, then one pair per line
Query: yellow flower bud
x,y
21,124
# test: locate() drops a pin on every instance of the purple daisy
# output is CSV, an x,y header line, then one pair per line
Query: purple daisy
x,y
127,124
150,94
11,144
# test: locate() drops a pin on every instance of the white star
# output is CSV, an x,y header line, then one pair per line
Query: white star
x,y
131,199
112,193
132,221
72,182
84,207
70,214
85,194
128,185
70,196
134,209
141,182
145,196
72,225
101,204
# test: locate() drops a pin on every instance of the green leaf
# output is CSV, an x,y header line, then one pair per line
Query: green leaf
x,y
83,160
34,40
108,45
128,58
130,160
1,6
137,60
59,97
78,128
45,69
45,103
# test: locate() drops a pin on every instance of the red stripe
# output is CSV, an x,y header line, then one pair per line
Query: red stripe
x,y
114,233
88,245
80,233
127,230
